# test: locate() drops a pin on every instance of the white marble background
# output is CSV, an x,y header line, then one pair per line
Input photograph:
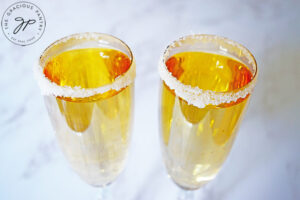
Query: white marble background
x,y
265,160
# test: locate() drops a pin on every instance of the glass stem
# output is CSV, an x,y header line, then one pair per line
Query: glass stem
x,y
185,194
103,193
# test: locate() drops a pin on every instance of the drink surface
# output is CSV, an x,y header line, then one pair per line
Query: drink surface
x,y
209,71
196,141
93,132
87,68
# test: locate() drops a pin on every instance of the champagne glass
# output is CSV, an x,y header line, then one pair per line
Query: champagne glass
x,y
206,84
87,81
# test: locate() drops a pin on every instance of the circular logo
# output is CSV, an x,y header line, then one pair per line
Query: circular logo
x,y
23,23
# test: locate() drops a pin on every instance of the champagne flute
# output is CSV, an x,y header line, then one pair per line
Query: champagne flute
x,y
87,81
206,85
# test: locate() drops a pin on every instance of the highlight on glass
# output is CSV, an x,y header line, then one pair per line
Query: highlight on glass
x,y
206,83
87,81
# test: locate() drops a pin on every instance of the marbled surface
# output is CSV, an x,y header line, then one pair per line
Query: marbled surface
x,y
264,162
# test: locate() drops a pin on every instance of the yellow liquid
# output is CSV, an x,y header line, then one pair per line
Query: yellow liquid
x,y
196,141
93,132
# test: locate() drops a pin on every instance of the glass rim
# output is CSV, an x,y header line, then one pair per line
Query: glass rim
x,y
200,97
51,88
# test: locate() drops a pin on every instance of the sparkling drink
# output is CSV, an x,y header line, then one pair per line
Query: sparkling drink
x,y
91,116
197,134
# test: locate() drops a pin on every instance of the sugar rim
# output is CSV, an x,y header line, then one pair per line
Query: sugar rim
x,y
199,97
51,88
